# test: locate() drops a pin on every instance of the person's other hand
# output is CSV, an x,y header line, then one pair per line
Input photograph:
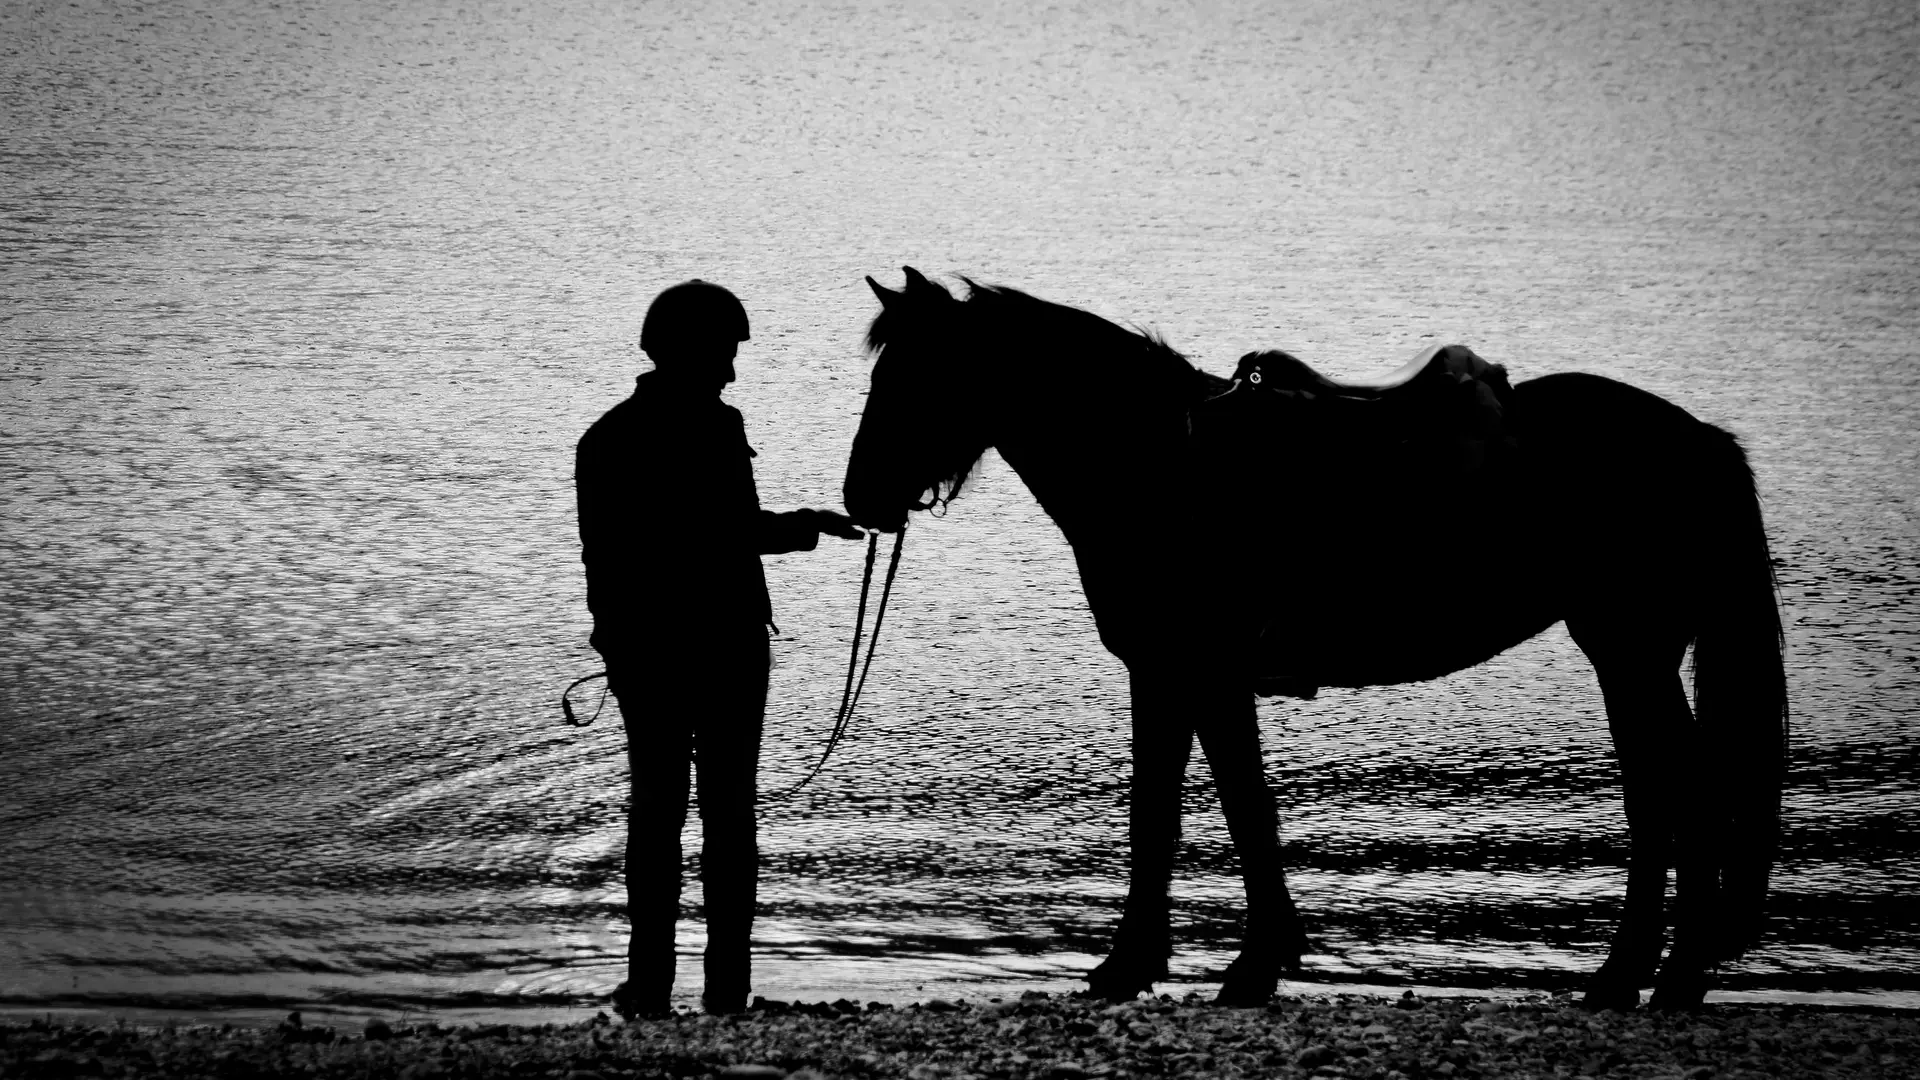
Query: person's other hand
x,y
840,525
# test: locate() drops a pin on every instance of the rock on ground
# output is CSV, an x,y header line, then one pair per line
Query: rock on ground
x,y
1034,1038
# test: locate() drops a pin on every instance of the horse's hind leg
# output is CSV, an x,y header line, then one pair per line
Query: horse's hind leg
x,y
1635,953
1655,739
1162,743
1230,737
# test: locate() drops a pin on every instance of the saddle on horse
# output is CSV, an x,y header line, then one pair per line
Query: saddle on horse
x,y
1325,477
1446,401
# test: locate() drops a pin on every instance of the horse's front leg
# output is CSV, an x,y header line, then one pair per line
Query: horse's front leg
x,y
1230,737
1162,743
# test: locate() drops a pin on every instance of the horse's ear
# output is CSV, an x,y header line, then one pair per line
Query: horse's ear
x,y
917,284
887,296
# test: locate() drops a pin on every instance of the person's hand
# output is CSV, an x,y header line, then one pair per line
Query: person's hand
x,y
840,525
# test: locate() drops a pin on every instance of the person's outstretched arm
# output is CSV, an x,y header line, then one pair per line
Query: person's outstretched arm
x,y
800,530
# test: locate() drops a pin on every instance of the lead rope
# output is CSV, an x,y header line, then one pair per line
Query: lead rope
x,y
850,695
566,707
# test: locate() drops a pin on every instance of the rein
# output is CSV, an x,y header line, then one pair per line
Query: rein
x,y
849,696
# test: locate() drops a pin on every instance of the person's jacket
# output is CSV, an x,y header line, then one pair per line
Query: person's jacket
x,y
671,529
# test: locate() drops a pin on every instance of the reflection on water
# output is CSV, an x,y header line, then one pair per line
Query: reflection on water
x,y
306,305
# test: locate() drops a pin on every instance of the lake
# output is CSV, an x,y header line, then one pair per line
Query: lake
x,y
305,305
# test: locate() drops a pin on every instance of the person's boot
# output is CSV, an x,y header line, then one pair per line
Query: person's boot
x,y
729,871
729,963
632,1003
729,955
648,989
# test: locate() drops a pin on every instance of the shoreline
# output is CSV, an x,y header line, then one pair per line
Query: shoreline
x,y
1036,1036
564,1011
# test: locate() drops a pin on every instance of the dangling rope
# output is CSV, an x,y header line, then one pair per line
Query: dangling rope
x,y
850,695
859,627
886,590
566,707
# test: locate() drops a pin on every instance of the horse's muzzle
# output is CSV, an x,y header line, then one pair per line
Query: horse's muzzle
x,y
876,491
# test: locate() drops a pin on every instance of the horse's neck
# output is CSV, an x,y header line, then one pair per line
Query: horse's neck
x,y
1116,483
1107,467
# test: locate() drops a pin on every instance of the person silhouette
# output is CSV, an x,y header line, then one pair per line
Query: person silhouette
x,y
671,533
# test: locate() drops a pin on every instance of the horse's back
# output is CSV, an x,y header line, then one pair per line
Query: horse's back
x,y
1649,499
1611,457
1580,403
1383,569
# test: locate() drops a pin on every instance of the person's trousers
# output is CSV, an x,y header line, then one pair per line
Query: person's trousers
x,y
700,707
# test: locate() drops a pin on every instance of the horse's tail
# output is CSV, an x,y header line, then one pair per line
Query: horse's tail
x,y
1740,689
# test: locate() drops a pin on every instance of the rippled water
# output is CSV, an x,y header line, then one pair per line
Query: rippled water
x,y
305,305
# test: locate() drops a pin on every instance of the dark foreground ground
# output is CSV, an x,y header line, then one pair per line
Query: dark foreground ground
x,y
1036,1037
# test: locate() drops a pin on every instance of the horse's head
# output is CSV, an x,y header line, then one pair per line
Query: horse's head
x,y
926,421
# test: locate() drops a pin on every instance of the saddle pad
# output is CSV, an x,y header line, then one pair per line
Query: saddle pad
x,y
1324,478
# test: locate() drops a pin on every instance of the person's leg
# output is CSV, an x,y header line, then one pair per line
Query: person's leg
x,y
658,747
727,755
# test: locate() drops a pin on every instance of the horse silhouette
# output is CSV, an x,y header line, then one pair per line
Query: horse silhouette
x,y
1230,542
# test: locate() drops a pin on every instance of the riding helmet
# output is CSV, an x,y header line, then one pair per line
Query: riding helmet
x,y
693,313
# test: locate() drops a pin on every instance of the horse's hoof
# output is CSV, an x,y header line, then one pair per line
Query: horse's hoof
x,y
1116,990
1115,993
1676,1003
1250,983
1114,982
1610,997
1246,993
1679,993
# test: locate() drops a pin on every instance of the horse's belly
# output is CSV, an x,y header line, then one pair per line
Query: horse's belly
x,y
1400,604
1363,640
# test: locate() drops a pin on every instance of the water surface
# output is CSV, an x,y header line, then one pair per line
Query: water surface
x,y
305,305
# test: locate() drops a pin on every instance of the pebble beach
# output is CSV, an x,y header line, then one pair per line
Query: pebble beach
x,y
1035,1037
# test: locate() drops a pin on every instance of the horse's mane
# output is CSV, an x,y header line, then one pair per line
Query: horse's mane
x,y
1165,375
1021,315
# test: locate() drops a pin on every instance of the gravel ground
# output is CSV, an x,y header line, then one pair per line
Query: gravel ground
x,y
1039,1037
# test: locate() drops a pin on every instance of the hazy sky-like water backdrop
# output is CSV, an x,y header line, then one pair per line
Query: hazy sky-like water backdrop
x,y
305,304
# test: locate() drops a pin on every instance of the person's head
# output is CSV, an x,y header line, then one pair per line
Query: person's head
x,y
694,330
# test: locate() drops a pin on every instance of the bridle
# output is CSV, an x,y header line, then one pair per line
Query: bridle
x,y
849,695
